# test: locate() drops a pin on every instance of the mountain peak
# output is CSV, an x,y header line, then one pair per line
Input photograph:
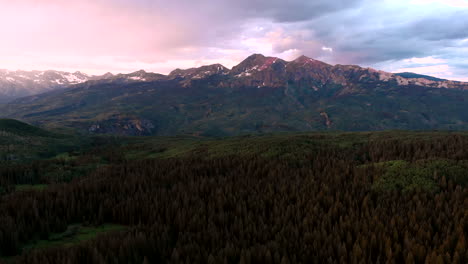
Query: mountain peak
x,y
255,56
140,72
213,67
304,60
255,62
108,74
218,65
200,72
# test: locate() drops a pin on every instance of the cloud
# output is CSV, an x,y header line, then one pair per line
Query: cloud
x,y
448,26
426,60
429,66
442,69
126,35
453,3
290,11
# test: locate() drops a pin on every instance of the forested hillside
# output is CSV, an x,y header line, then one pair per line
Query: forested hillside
x,y
387,197
22,142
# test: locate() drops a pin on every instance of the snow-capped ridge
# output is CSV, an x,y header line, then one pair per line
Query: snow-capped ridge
x,y
19,83
199,73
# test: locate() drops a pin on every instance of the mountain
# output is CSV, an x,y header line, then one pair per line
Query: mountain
x,y
198,73
16,127
419,76
16,84
20,141
261,94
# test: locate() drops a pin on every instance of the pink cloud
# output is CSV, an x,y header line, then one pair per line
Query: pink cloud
x,y
103,35
83,27
425,60
125,35
98,36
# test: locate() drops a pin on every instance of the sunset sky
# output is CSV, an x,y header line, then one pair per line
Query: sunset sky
x,y
97,36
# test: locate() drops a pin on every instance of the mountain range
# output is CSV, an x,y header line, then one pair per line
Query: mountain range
x,y
261,94
16,84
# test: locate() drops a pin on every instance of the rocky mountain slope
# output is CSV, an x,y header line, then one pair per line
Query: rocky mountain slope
x,y
261,94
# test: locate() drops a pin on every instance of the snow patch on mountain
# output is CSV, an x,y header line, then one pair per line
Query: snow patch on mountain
x,y
75,78
268,62
15,84
137,78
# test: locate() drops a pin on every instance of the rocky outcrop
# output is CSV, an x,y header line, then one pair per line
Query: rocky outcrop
x,y
188,75
123,126
326,118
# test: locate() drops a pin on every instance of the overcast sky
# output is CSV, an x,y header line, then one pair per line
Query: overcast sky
x,y
97,36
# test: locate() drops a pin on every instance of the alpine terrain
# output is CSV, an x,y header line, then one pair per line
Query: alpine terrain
x,y
261,94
